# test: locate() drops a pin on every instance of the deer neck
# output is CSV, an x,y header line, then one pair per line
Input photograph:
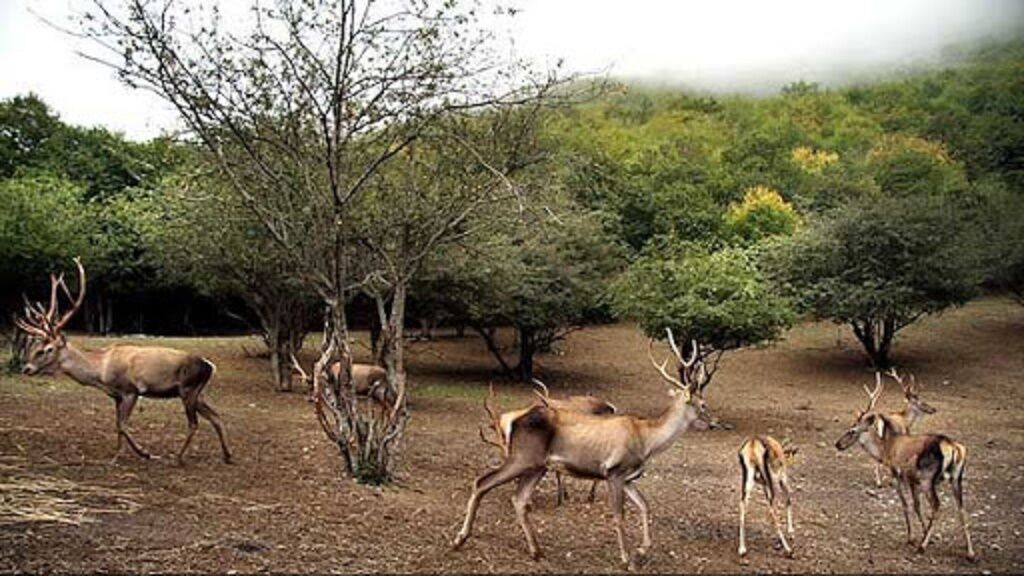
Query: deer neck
x,y
82,367
660,432
911,415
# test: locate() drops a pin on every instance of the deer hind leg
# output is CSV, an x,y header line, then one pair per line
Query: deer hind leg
x,y
190,401
933,499
593,492
207,411
787,498
916,497
508,471
125,405
746,487
521,503
769,493
958,495
645,518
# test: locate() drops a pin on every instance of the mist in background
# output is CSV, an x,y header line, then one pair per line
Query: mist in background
x,y
750,46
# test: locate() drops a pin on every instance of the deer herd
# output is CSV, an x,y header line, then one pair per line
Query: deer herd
x,y
582,436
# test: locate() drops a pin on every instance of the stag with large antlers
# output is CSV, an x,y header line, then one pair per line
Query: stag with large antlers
x,y
500,424
917,462
123,372
612,448
913,410
368,381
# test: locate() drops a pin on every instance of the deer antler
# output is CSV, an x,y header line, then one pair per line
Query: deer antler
x,y
661,367
543,393
874,395
908,388
495,422
76,302
298,368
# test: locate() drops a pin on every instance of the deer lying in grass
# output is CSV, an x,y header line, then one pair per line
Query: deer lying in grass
x,y
576,403
764,460
611,448
903,421
917,462
369,380
123,372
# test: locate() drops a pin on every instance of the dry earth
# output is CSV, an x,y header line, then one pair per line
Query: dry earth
x,y
284,506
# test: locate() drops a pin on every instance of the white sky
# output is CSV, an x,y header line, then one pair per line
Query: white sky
x,y
713,44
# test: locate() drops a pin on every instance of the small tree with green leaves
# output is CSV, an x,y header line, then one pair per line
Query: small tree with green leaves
x,y
718,299
879,266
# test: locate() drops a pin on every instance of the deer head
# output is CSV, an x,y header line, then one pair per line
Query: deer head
x,y
911,392
868,420
692,375
45,325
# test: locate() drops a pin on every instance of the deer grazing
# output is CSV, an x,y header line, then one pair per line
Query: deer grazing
x,y
764,460
917,462
123,372
914,409
612,448
369,381
576,403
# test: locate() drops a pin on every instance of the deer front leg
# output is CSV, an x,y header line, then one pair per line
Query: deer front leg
x,y
769,494
645,519
616,501
901,490
125,404
933,499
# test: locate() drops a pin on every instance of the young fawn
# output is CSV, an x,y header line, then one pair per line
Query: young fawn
x,y
764,460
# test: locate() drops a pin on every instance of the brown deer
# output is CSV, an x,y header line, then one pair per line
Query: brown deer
x,y
765,461
369,380
613,448
576,403
915,408
123,372
917,462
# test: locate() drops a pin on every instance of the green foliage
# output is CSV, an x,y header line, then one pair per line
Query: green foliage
x,y
719,298
43,224
879,265
762,214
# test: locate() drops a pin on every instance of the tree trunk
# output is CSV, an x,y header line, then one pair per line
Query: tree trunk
x,y
488,335
527,348
876,337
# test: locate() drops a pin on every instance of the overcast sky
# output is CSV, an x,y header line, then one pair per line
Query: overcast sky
x,y
711,44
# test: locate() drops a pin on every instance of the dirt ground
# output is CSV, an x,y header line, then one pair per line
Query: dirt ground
x,y
285,507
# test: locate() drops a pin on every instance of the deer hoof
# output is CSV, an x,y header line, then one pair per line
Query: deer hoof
x,y
742,551
972,557
536,554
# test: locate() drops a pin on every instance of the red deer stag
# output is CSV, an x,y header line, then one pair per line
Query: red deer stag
x,y
576,403
611,448
904,421
765,461
917,462
123,372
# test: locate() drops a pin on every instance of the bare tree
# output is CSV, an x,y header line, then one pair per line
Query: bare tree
x,y
301,105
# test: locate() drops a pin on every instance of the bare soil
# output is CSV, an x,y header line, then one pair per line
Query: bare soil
x,y
284,506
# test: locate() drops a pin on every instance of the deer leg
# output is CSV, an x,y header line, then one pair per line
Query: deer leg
x,y
878,475
560,496
645,518
189,400
901,490
616,501
593,492
745,488
916,497
787,498
521,503
958,495
125,405
769,493
933,500
488,481
206,411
